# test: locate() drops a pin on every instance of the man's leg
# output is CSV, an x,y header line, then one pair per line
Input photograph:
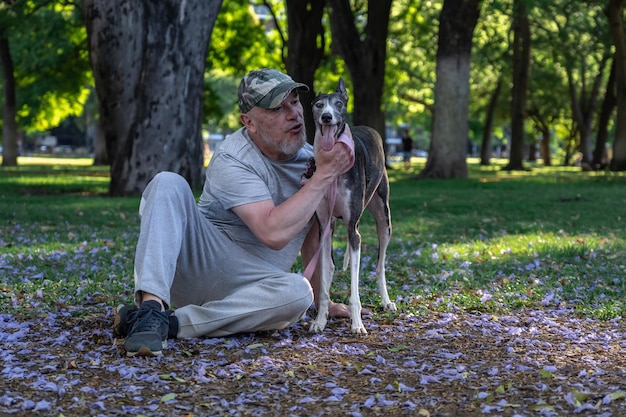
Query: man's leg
x,y
221,289
272,302
165,205
184,260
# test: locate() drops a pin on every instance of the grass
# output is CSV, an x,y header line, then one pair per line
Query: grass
x,y
495,242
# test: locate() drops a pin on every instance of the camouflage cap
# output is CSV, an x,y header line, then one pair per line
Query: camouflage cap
x,y
265,88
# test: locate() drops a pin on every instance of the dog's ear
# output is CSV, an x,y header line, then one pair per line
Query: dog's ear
x,y
341,88
316,98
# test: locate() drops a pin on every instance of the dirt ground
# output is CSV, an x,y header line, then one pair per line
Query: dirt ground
x,y
528,363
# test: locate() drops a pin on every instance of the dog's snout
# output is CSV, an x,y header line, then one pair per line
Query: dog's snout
x,y
327,117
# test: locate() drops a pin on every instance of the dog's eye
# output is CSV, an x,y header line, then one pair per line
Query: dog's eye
x,y
319,104
339,105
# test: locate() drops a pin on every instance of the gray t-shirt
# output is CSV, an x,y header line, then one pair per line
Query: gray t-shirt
x,y
239,174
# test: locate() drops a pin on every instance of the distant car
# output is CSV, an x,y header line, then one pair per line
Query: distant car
x,y
63,149
215,139
394,146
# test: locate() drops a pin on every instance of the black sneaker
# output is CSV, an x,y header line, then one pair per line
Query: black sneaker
x,y
148,330
121,325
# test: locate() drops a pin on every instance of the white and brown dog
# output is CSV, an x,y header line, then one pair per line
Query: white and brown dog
x,y
365,185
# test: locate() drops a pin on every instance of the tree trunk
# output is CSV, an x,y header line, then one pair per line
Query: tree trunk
x,y
94,132
365,57
571,144
532,150
100,156
546,135
304,53
485,149
148,62
521,69
543,125
448,147
9,108
615,13
606,111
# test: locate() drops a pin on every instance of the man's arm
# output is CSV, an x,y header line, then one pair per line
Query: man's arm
x,y
275,225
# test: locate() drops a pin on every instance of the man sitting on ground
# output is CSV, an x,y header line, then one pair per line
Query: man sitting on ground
x,y
225,262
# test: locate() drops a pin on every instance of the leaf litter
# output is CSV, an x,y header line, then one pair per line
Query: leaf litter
x,y
526,363
62,360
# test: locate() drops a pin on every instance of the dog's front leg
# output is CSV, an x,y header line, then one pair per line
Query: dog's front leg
x,y
355,298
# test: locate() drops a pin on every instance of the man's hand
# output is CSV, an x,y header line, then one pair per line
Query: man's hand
x,y
338,160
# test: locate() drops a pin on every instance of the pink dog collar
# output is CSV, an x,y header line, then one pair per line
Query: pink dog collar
x,y
348,141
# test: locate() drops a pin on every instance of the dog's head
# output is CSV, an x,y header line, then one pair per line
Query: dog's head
x,y
329,114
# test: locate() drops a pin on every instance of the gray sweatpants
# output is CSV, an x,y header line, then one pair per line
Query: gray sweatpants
x,y
217,287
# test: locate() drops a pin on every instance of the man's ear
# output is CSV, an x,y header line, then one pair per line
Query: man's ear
x,y
247,121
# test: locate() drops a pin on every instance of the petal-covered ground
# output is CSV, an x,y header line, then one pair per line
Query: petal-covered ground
x,y
58,356
528,363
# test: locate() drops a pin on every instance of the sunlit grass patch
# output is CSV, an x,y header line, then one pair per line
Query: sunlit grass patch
x,y
54,177
52,161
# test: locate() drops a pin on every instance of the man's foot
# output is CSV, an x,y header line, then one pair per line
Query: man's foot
x,y
146,327
343,311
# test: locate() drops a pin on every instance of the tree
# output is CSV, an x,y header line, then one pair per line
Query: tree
x,y
448,148
305,49
566,64
615,14
148,60
545,105
521,77
242,40
410,67
45,67
361,39
485,148
584,108
94,131
584,58
9,116
490,75
606,111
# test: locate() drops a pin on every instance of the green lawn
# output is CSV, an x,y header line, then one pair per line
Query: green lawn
x,y
545,238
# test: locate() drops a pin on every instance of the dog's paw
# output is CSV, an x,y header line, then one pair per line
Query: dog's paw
x,y
317,327
359,330
390,307
357,327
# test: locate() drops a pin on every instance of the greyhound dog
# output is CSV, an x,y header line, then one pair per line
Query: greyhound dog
x,y
365,185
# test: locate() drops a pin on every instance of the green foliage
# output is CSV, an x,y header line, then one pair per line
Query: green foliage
x,y
570,40
49,48
239,43
491,61
410,69
48,43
